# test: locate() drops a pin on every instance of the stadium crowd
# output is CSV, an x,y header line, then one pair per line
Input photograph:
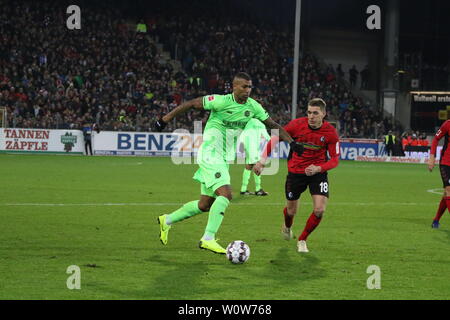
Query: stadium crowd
x,y
113,75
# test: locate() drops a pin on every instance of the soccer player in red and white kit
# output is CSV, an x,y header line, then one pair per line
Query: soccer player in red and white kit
x,y
308,170
444,167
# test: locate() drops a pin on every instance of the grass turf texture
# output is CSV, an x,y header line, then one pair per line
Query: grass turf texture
x,y
103,213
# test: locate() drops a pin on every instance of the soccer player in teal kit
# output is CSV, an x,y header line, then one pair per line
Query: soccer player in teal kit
x,y
228,113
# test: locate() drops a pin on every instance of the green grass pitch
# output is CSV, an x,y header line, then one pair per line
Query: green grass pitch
x,y
99,213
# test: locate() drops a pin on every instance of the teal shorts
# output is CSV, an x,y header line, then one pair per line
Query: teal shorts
x,y
212,177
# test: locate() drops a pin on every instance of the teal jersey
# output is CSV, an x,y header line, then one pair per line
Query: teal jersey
x,y
226,122
256,129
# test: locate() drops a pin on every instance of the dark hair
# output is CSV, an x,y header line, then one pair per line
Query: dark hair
x,y
243,75
317,102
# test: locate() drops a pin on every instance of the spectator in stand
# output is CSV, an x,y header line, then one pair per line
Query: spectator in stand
x,y
340,72
414,141
141,27
365,74
423,141
353,74
389,142
406,140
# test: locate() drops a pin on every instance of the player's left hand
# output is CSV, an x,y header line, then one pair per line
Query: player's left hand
x,y
312,170
258,168
297,147
159,125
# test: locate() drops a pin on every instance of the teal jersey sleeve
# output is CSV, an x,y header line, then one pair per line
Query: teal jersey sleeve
x,y
213,102
260,113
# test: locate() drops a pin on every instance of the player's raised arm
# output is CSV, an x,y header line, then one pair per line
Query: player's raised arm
x,y
161,123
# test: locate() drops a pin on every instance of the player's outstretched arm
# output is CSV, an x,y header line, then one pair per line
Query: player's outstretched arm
x,y
161,123
284,135
296,147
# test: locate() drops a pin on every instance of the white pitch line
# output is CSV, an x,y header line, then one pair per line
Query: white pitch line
x,y
438,191
232,204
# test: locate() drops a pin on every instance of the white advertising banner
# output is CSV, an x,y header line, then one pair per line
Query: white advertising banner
x,y
177,144
145,143
15,140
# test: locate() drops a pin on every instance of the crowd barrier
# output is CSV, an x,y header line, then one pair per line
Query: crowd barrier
x,y
179,143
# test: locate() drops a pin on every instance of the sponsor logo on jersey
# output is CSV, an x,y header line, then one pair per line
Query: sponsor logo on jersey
x,y
247,113
322,139
239,124
217,175
310,146
211,98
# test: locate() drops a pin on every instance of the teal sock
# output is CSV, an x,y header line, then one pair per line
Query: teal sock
x,y
215,218
257,182
188,210
245,179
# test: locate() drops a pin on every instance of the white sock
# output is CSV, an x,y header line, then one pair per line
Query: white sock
x,y
207,237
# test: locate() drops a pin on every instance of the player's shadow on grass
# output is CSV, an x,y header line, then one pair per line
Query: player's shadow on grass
x,y
291,268
180,279
242,198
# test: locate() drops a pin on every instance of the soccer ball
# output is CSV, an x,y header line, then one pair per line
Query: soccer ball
x,y
238,252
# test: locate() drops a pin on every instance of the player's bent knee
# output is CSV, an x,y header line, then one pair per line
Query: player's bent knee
x,y
226,195
204,207
225,191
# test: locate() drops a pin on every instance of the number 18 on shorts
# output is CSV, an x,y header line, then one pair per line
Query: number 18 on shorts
x,y
297,183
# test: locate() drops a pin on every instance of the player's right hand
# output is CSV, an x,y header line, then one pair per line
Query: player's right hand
x,y
431,163
159,125
296,147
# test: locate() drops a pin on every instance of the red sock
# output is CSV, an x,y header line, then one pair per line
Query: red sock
x,y
444,204
311,224
288,220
